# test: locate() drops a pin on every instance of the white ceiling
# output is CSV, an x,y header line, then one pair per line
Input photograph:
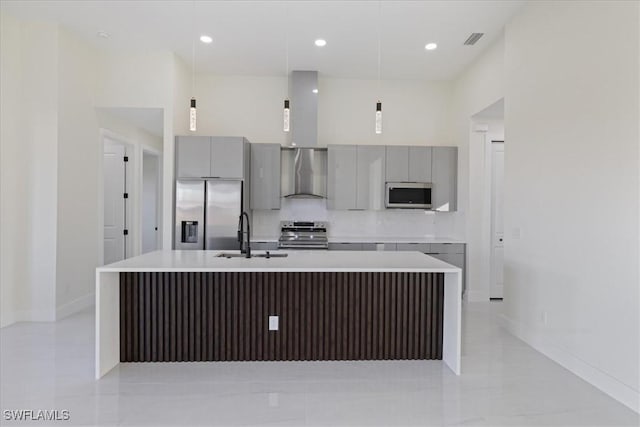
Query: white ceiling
x,y
250,36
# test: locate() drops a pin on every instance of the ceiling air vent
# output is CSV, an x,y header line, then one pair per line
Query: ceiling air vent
x,y
473,38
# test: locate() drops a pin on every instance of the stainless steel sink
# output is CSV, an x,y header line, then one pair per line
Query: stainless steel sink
x,y
253,255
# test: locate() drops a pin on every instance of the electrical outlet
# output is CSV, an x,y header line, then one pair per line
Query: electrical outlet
x,y
273,323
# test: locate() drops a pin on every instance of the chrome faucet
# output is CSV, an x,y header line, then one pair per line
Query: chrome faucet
x,y
244,249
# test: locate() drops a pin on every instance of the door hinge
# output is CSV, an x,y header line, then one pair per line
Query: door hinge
x,y
126,195
126,158
125,232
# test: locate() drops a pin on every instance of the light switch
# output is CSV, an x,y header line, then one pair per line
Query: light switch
x,y
273,323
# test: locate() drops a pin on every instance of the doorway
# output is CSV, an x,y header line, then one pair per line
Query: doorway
x,y
497,227
150,201
115,198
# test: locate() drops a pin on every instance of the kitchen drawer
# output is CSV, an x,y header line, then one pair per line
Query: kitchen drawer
x,y
447,248
420,247
345,246
369,246
389,247
264,246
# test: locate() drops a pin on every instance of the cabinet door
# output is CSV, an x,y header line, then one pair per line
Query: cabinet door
x,y
397,164
370,170
264,246
447,248
227,157
420,247
265,176
341,177
444,193
345,246
420,164
193,155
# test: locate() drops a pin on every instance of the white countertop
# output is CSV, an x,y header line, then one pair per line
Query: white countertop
x,y
374,239
296,261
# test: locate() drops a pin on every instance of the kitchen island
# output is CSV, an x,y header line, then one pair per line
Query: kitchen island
x,y
310,305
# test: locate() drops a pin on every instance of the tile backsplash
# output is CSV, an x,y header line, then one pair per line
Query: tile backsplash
x,y
384,223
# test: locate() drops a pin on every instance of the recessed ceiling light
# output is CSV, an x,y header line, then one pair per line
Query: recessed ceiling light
x,y
205,39
320,42
103,34
431,46
315,91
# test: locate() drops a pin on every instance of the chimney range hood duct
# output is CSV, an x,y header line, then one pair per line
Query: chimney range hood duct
x,y
304,165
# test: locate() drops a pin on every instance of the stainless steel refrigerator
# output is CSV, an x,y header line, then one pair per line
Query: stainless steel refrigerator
x,y
207,213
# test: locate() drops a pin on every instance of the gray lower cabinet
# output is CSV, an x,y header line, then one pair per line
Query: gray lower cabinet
x,y
264,246
444,179
397,163
265,176
420,164
341,176
193,156
370,177
369,246
227,157
345,246
420,247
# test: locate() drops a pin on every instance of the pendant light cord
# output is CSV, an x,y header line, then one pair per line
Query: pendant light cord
x,y
379,38
193,51
286,42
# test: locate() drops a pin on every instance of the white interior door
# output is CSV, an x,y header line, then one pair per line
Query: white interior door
x,y
150,194
114,179
497,228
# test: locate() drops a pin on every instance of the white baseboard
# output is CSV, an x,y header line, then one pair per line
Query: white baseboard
x,y
596,377
7,318
75,306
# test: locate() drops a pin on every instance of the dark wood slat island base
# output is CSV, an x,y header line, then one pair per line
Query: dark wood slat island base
x,y
223,316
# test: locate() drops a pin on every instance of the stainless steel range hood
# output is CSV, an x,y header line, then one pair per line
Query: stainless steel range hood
x,y
304,172
304,164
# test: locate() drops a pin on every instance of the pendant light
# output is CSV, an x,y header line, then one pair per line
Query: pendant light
x,y
379,103
286,115
192,104
378,121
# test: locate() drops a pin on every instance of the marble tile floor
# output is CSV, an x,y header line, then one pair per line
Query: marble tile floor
x,y
505,383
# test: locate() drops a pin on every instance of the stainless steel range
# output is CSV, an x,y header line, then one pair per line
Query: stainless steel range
x,y
303,235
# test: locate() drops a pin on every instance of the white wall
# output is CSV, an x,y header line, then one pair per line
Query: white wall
x,y
478,87
78,153
29,168
571,188
14,161
414,113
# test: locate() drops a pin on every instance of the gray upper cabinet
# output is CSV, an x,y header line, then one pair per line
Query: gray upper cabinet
x,y
265,176
192,156
445,172
397,164
420,164
227,157
370,172
211,157
341,176
408,164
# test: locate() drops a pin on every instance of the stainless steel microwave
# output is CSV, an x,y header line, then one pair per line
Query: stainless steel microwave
x,y
408,195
